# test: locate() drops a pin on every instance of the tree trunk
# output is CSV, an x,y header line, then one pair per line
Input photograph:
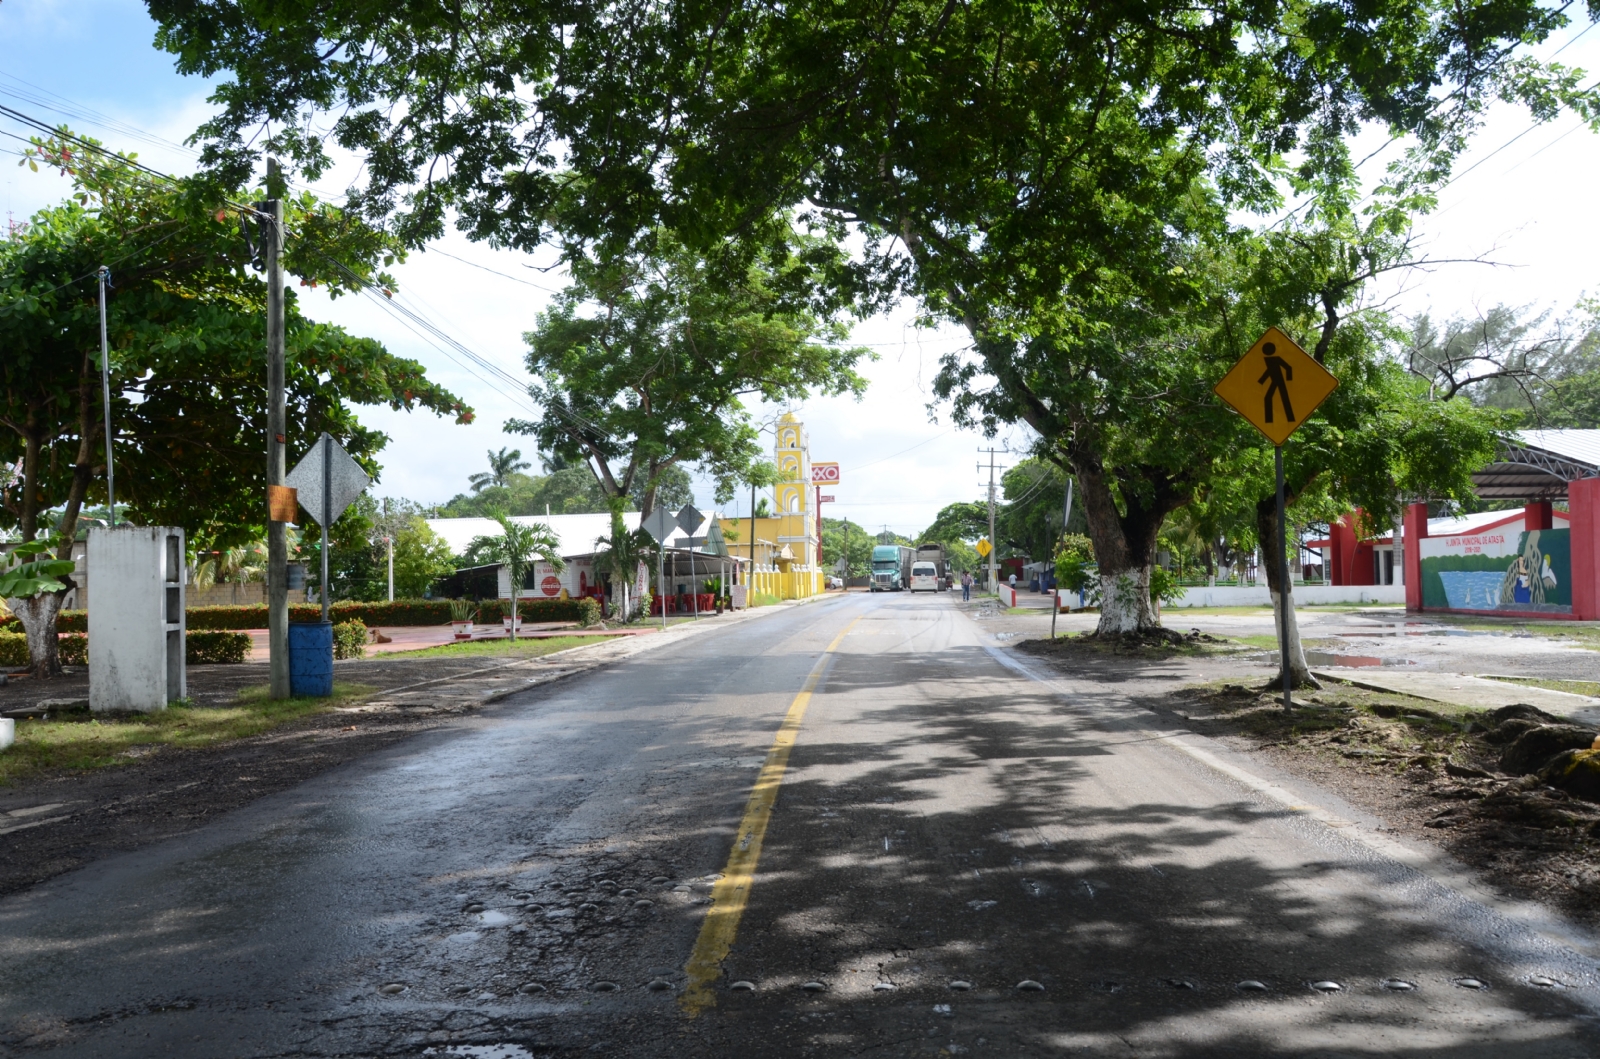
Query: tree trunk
x,y
38,618
1125,602
1267,530
1124,548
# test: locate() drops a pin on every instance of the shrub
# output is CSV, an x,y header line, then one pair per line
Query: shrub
x,y
66,621
588,612
210,647
13,649
73,649
349,639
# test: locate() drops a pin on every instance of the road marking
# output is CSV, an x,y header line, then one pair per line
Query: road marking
x,y
731,893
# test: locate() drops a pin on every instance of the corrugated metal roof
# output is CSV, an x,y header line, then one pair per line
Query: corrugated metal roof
x,y
1582,446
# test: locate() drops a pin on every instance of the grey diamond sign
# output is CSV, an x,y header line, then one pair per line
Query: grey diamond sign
x,y
660,524
327,480
689,519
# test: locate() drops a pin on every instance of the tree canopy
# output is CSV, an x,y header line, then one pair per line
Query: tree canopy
x,y
645,365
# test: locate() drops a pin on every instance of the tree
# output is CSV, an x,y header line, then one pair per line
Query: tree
x,y
642,365
186,323
421,557
517,545
502,466
1041,176
849,542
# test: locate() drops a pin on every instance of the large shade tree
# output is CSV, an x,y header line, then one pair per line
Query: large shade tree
x,y
186,328
1040,174
645,365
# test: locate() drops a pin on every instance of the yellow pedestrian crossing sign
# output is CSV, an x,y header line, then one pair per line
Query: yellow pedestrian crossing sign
x,y
1276,386
984,547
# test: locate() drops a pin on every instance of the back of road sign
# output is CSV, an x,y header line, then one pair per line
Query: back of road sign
x,y
1276,386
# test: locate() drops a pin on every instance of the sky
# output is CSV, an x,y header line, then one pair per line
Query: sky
x,y
1522,199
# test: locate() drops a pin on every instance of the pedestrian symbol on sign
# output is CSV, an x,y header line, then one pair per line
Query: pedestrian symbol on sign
x,y
1276,376
1281,374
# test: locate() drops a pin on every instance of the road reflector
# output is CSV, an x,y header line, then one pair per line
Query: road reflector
x,y
1276,385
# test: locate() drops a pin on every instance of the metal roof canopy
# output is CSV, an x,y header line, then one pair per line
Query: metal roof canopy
x,y
1538,464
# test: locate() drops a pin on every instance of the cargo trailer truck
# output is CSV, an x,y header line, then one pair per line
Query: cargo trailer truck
x,y
891,567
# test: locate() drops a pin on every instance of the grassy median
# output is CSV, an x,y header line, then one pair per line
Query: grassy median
x,y
77,739
499,648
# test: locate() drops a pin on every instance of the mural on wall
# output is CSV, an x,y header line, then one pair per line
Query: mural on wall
x,y
1529,571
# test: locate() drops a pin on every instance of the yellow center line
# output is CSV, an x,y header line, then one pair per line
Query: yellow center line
x,y
731,893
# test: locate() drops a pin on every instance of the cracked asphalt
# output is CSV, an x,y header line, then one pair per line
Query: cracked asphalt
x,y
968,855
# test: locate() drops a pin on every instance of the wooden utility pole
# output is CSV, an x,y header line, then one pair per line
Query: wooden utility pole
x,y
277,538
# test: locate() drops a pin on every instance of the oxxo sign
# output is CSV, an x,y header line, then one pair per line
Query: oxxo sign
x,y
824,474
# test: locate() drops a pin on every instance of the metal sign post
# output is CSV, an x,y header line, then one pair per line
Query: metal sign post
x,y
659,524
326,482
1274,376
689,520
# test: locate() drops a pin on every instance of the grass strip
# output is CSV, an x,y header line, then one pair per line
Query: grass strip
x,y
502,648
1574,687
77,739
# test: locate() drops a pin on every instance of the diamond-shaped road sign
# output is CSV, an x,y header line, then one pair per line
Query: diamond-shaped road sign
x,y
1276,385
689,519
659,524
984,547
344,478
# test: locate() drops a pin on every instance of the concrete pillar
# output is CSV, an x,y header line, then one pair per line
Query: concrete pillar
x,y
1342,543
1583,507
136,628
1416,531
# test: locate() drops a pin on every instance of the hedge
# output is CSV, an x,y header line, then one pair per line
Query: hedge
x,y
209,647
400,612
13,649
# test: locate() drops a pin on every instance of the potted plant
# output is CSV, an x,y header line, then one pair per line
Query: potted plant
x,y
461,611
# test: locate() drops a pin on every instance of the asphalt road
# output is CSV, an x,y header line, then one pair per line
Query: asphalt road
x,y
537,881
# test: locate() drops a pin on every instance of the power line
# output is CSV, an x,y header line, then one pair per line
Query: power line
x,y
486,268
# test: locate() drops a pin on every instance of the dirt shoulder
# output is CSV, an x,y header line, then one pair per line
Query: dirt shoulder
x,y
146,783
1435,774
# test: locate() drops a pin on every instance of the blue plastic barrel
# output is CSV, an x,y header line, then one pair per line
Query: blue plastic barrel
x,y
310,658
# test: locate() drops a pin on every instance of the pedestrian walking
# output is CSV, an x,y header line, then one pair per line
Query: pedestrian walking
x,y
966,586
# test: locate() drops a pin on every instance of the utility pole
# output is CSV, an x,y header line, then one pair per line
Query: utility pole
x,y
104,275
994,549
271,216
388,539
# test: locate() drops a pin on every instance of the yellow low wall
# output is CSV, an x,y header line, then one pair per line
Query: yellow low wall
x,y
796,584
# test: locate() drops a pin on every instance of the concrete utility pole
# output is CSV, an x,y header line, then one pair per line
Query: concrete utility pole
x,y
994,549
104,275
277,538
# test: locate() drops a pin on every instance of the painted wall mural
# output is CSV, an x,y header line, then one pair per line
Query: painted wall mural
x,y
1530,571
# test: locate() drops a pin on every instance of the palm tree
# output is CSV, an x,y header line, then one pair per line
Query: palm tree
x,y
236,566
516,546
502,465
621,552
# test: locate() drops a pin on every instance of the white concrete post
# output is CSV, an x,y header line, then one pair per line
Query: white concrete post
x,y
136,626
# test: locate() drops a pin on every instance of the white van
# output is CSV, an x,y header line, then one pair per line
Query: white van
x,y
924,577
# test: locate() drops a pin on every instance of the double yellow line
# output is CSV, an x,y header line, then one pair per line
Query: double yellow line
x,y
731,893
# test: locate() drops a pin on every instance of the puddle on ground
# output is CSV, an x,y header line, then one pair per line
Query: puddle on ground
x,y
485,1051
493,918
1329,658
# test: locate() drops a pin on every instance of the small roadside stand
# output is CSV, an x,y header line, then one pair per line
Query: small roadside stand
x,y
1276,374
